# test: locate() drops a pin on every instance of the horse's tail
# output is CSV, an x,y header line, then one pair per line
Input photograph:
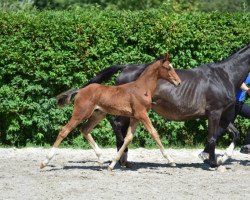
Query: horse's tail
x,y
65,97
105,74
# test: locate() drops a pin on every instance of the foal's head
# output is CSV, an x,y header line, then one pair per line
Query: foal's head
x,y
166,71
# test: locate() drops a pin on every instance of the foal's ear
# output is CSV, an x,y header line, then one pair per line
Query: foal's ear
x,y
167,57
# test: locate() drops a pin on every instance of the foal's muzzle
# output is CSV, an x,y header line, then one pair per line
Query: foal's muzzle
x,y
177,83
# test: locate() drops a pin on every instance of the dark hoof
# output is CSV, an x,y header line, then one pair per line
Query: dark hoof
x,y
212,164
126,164
245,149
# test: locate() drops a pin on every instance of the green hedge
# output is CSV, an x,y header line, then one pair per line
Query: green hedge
x,y
45,53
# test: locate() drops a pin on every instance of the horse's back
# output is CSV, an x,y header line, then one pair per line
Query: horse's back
x,y
130,73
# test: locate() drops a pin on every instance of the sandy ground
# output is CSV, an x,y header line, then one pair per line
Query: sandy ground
x,y
74,174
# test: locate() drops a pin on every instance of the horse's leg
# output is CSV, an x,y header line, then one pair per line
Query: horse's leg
x,y
86,129
120,126
147,123
204,155
127,140
225,123
79,114
229,151
213,126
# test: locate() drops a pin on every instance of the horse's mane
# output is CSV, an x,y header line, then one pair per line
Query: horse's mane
x,y
236,53
243,49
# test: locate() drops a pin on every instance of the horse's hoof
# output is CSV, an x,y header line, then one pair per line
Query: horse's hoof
x,y
206,161
42,165
219,160
212,164
109,168
245,149
203,156
129,165
172,164
126,165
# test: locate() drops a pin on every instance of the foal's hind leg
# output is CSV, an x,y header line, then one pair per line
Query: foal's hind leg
x,y
86,129
62,134
80,113
147,123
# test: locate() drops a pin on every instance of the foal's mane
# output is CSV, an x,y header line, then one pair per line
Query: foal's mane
x,y
144,66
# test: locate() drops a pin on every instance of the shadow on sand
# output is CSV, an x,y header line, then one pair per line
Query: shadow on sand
x,y
135,166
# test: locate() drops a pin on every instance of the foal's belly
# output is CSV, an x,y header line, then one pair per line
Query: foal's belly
x,y
116,110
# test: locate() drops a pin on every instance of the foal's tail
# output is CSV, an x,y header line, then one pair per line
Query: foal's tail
x,y
65,97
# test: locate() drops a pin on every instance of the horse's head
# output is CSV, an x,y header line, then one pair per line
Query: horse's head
x,y
167,71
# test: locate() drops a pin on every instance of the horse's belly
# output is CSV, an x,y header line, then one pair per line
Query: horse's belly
x,y
179,113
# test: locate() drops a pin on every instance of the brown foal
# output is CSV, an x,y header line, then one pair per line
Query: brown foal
x,y
132,100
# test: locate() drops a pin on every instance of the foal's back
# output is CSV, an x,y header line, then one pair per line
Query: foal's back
x,y
115,100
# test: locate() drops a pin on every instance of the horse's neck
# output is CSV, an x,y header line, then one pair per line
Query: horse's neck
x,y
148,79
239,67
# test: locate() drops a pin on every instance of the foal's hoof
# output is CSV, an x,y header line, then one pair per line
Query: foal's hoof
x,y
100,163
109,168
172,164
42,165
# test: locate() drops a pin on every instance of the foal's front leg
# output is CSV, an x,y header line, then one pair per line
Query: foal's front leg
x,y
86,129
127,140
147,123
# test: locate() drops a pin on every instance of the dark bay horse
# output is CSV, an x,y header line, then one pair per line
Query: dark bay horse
x,y
206,91
131,100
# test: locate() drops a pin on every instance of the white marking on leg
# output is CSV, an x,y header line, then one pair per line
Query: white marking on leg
x,y
168,157
228,154
117,157
127,140
49,156
98,152
94,146
124,159
203,156
230,149
112,165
